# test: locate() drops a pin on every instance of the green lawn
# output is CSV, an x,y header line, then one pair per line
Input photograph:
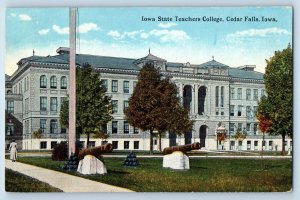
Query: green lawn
x,y
205,175
16,182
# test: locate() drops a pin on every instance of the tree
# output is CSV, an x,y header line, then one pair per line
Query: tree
x,y
93,107
277,107
154,105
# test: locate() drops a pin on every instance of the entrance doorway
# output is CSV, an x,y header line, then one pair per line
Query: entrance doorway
x,y
202,135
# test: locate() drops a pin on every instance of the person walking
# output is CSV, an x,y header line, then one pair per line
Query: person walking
x,y
13,151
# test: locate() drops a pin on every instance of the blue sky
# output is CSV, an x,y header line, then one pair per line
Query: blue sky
x,y
120,32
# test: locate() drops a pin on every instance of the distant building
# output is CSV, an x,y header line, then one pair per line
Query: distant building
x,y
212,91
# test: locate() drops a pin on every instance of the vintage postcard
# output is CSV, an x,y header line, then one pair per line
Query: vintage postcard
x,y
149,99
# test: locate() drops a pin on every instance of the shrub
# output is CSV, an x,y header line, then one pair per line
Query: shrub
x,y
60,152
37,134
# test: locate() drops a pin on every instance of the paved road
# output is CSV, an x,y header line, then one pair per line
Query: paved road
x,y
65,182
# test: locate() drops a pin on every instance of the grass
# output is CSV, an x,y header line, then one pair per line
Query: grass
x,y
205,175
16,182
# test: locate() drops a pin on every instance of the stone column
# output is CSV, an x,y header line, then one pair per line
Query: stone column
x,y
196,87
181,92
193,100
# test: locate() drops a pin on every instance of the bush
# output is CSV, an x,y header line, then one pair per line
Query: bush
x,y
60,152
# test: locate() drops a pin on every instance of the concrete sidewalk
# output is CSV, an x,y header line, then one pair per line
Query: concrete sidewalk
x,y
65,182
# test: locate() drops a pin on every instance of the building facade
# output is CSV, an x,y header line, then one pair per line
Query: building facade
x,y
213,92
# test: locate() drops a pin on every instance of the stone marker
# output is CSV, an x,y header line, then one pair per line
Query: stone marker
x,y
176,160
91,165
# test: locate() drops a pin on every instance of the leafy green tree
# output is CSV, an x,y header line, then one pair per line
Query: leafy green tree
x,y
154,105
93,107
277,107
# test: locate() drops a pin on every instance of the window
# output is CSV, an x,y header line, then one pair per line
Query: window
x,y
217,96
248,111
43,145
43,125
255,145
10,106
255,94
134,84
63,82
114,106
114,127
27,83
136,144
248,145
92,144
104,84
232,145
126,127
126,144
240,94
53,82
115,144
26,105
254,110
222,112
126,104
231,128
43,103
255,128
240,110
222,96
232,93
262,92
43,81
217,111
126,86
240,126
53,126
135,130
9,129
103,128
231,110
53,104
270,145
248,128
114,86
248,94
53,144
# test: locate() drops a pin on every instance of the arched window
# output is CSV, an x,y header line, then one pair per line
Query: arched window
x,y
217,96
201,99
63,82
43,81
9,92
53,82
187,97
222,96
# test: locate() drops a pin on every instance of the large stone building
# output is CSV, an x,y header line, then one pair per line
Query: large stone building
x,y
213,92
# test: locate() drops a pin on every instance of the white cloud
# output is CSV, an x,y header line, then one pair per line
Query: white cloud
x,y
43,31
144,35
24,17
60,30
86,27
115,34
170,35
259,32
167,25
13,14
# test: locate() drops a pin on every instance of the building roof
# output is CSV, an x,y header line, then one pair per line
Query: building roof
x,y
131,64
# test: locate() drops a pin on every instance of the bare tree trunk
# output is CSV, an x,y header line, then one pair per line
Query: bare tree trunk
x,y
283,144
151,142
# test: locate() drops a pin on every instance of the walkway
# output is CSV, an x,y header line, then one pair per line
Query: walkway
x,y
65,182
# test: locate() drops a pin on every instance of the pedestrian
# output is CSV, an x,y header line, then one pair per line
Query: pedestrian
x,y
13,151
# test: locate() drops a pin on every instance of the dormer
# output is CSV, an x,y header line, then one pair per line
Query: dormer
x,y
247,67
157,61
63,50
215,68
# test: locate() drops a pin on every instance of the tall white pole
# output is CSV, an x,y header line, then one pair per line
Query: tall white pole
x,y
72,81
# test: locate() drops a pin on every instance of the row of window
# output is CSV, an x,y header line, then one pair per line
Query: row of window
x,y
250,112
10,106
53,82
248,94
115,87
136,144
219,98
114,127
53,103
18,88
115,105
250,128
268,145
53,126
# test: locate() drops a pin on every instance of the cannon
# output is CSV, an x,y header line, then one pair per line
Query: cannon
x,y
182,148
96,151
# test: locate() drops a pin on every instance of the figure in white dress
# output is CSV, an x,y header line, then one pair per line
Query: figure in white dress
x,y
13,151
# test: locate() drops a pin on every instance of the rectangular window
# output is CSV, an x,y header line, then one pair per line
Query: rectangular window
x,y
114,106
255,94
53,126
248,112
126,86
114,86
254,110
262,92
10,106
231,128
248,94
248,127
231,110
217,96
9,129
43,103
43,125
114,127
126,144
53,104
43,145
240,110
92,144
222,113
240,126
232,145
126,104
255,128
240,94
255,145
104,84
248,145
115,144
53,144
126,127
270,145
232,90
222,96
103,128
135,130
136,144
